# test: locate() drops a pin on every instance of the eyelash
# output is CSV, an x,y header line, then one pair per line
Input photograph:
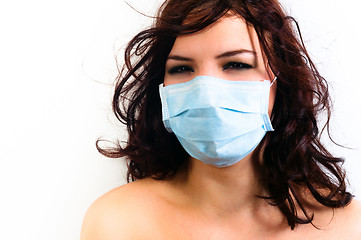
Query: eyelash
x,y
180,69
236,66
239,66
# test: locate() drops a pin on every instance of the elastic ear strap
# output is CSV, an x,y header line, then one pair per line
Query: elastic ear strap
x,y
273,81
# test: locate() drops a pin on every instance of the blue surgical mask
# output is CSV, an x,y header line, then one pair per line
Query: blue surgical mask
x,y
218,122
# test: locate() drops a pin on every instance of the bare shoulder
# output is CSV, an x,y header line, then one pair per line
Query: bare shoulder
x,y
352,216
126,212
347,221
354,210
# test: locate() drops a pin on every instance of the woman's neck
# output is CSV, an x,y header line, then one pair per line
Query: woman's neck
x,y
228,190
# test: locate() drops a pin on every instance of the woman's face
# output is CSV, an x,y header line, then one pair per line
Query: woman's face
x,y
228,49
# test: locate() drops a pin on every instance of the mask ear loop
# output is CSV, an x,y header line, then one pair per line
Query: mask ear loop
x,y
273,81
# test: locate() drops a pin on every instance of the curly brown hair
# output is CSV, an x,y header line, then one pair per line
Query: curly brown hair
x,y
293,154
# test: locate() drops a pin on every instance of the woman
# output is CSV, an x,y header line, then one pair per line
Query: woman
x,y
221,100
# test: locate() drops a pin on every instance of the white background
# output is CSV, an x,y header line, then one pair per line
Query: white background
x,y
56,69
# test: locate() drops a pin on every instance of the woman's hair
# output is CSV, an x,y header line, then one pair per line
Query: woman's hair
x,y
293,156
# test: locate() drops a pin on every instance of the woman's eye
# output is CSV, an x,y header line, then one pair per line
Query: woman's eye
x,y
236,66
180,69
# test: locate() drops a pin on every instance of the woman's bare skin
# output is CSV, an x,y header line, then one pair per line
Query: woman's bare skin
x,y
152,209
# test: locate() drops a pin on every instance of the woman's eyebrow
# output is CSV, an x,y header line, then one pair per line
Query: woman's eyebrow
x,y
226,54
179,58
236,52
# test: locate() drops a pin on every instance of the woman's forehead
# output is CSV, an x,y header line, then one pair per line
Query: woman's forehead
x,y
227,32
